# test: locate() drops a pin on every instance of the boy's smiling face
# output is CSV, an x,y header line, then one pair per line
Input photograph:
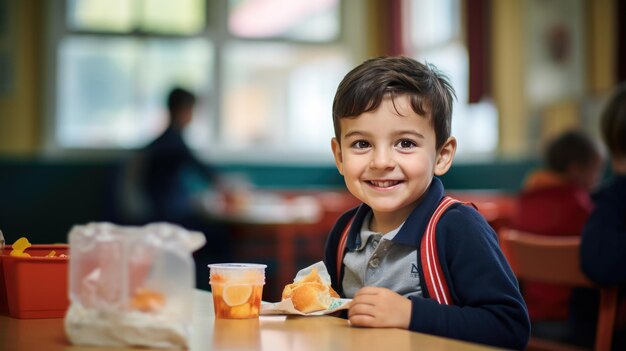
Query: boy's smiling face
x,y
388,159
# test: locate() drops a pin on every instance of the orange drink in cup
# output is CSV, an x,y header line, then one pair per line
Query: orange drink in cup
x,y
237,289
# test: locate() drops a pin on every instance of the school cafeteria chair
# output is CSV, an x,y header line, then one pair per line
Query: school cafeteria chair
x,y
556,260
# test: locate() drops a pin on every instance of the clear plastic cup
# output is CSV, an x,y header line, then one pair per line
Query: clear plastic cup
x,y
237,289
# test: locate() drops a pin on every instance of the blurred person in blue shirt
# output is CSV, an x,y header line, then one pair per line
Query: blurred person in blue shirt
x,y
167,164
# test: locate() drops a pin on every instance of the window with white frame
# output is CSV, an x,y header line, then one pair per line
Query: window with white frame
x,y
435,35
265,72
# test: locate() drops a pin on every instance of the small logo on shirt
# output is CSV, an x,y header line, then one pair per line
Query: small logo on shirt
x,y
414,272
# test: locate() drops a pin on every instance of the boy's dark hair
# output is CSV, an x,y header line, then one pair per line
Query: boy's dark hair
x,y
613,122
363,88
571,148
179,98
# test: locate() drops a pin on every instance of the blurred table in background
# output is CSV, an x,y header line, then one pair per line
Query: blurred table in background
x,y
282,228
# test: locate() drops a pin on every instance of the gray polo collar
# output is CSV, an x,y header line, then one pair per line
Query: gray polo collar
x,y
366,233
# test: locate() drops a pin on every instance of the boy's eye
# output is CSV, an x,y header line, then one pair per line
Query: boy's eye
x,y
406,144
360,144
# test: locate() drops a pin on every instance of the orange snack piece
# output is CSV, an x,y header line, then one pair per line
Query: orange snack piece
x,y
19,246
146,300
310,293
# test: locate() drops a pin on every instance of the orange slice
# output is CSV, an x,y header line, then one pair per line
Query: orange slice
x,y
235,295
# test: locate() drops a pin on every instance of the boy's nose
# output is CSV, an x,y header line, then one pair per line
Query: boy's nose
x,y
382,159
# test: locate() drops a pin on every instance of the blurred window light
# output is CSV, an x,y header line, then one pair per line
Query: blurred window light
x,y
177,17
111,90
302,20
101,15
435,36
265,76
434,22
280,95
123,16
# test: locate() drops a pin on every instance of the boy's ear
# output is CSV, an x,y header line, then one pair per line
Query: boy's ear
x,y
336,147
445,155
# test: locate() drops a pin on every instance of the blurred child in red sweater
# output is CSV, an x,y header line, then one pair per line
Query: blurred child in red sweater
x,y
556,200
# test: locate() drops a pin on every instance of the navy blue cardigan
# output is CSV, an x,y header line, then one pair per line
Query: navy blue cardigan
x,y
487,305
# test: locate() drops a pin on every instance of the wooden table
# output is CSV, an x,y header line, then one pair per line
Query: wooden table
x,y
274,333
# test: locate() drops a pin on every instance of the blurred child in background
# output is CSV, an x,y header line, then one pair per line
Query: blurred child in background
x,y
556,201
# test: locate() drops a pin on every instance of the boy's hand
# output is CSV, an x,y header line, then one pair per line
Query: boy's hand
x,y
379,307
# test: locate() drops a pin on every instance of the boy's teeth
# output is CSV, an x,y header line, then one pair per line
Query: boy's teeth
x,y
385,183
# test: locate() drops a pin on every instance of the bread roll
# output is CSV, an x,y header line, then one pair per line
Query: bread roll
x,y
310,293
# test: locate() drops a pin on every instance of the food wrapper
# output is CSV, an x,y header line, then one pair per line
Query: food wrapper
x,y
131,286
286,306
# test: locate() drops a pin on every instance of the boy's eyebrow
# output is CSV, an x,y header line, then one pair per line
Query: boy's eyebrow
x,y
354,132
412,132
401,132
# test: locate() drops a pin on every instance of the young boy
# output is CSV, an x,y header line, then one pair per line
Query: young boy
x,y
392,119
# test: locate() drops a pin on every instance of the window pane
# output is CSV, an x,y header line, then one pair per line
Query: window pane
x,y
186,63
95,91
290,19
433,22
280,95
101,15
162,16
111,91
167,16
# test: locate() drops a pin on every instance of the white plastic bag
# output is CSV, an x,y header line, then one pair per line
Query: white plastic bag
x,y
131,285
